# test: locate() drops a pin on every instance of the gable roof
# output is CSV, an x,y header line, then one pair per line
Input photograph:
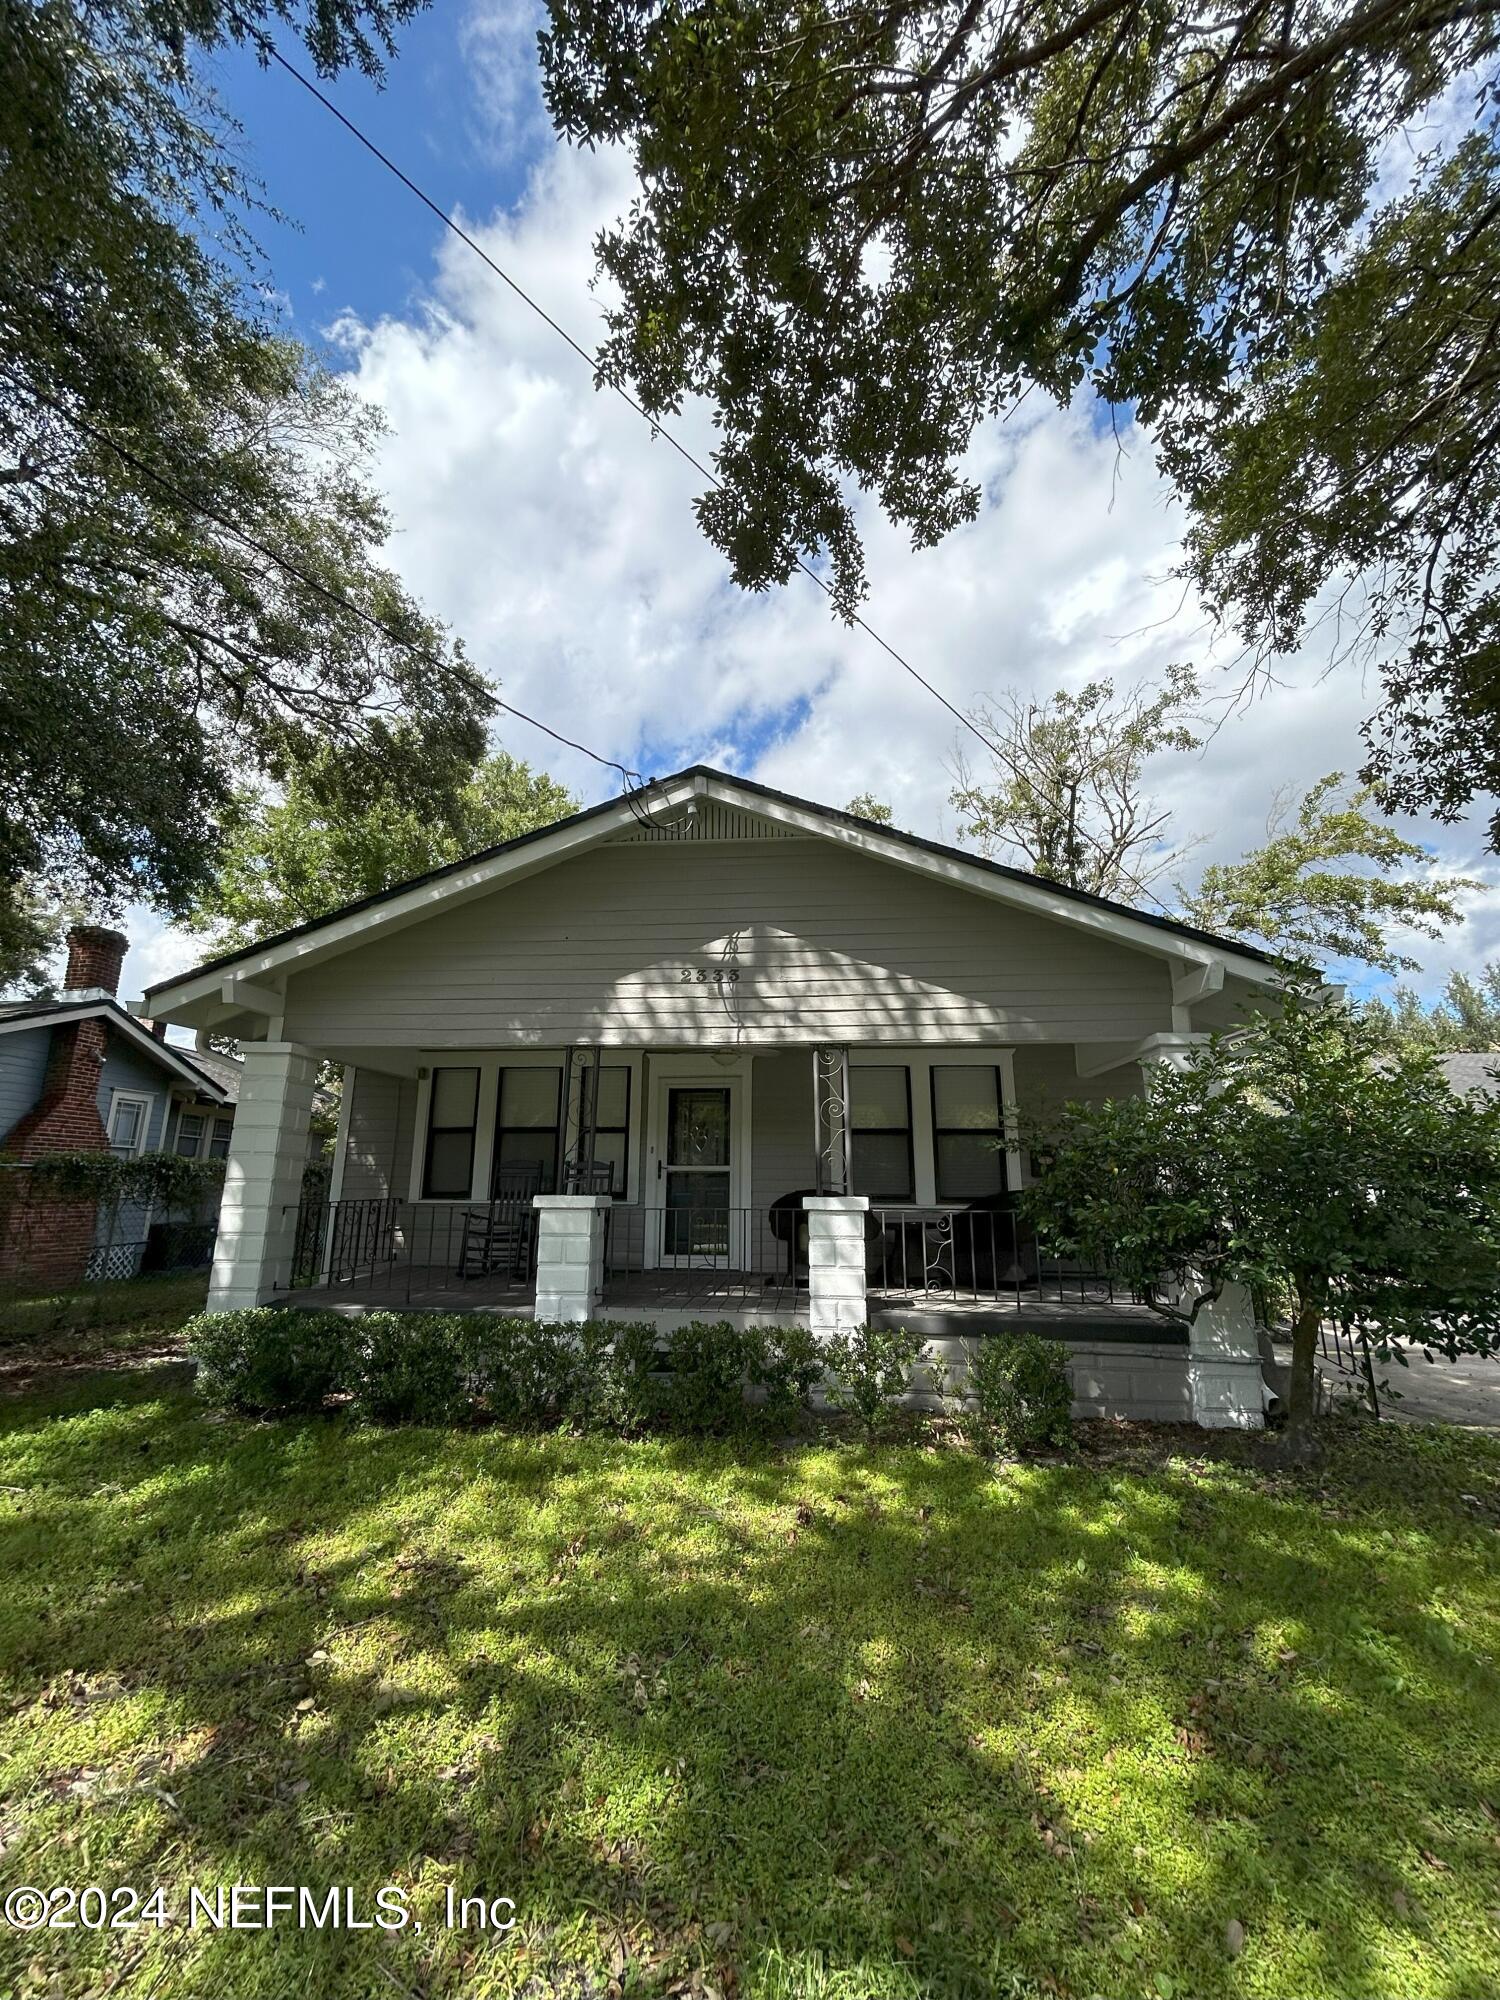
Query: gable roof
x,y
1470,1071
405,902
177,1062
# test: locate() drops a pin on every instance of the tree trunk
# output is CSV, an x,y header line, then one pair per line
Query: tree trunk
x,y
1301,1405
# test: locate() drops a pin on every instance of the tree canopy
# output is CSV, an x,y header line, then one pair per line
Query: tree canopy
x,y
1299,895
1305,1154
292,859
1466,1017
191,595
863,229
1066,793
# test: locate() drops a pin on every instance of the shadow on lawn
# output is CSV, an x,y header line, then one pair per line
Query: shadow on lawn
x,y
880,1719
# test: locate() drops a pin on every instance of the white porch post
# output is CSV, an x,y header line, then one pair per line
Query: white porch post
x,y
1224,1370
263,1175
569,1254
835,1262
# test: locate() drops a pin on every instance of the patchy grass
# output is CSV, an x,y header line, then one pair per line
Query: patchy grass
x,y
833,1722
96,1321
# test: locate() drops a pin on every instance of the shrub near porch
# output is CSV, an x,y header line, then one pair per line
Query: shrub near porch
x,y
833,1721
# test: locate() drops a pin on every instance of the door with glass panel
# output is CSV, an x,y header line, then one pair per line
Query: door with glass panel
x,y
695,1173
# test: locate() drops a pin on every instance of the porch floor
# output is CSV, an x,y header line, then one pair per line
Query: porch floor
x,y
713,1293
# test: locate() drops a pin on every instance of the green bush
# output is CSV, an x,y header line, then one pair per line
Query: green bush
x,y
1020,1393
410,1368
269,1357
786,1366
869,1370
708,1363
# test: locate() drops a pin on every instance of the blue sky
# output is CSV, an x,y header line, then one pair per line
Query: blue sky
x,y
365,245
543,523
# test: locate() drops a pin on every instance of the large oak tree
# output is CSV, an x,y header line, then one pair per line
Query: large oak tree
x,y
866,225
191,590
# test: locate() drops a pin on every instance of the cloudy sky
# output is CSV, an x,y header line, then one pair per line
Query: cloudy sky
x,y
545,524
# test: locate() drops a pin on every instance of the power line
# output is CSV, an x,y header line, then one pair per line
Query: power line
x,y
271,53
633,779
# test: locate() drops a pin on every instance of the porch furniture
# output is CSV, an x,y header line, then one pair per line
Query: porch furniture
x,y
588,1177
498,1237
788,1222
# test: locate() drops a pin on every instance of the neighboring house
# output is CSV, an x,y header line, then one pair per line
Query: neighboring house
x,y
714,1051
80,1074
1472,1071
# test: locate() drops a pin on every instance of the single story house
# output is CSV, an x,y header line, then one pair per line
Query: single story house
x,y
79,1073
712,1050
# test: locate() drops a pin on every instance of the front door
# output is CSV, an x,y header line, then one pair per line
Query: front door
x,y
697,1176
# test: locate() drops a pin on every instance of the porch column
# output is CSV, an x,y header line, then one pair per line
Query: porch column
x,y
831,1119
835,1262
1224,1368
263,1175
569,1254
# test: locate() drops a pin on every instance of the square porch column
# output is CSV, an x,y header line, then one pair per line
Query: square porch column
x,y
835,1262
263,1175
1224,1368
569,1254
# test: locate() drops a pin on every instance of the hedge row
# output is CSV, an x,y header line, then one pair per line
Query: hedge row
x,y
705,1377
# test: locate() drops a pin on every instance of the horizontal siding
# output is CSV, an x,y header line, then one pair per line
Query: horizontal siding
x,y
23,1064
712,820
1046,1079
378,1157
828,945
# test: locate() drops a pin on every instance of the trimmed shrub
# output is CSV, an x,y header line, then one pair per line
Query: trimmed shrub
x,y
869,1370
410,1368
786,1366
1020,1392
708,1362
269,1357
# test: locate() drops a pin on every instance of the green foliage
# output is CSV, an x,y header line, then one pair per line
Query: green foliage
x,y
866,806
315,848
861,241
1293,894
152,415
1303,1154
269,1358
869,1370
409,1368
1467,1017
115,1179
786,1365
1020,1391
1064,796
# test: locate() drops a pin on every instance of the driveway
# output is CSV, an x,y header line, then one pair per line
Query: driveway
x,y
1463,1392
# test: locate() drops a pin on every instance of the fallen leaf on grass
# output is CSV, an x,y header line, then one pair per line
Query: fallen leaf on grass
x,y
1234,1937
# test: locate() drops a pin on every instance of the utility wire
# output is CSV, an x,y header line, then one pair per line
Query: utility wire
x,y
270,53
633,779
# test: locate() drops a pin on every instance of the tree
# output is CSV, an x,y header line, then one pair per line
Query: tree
x,y
290,860
1294,896
1065,795
1466,1018
864,229
190,590
867,806
1302,1154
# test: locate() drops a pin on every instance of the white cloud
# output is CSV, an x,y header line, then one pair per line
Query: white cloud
x,y
543,521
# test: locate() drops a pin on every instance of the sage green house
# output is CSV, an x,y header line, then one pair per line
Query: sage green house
x,y
710,1050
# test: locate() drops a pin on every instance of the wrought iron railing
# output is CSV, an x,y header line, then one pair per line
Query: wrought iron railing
x,y
735,1259
401,1252
946,1253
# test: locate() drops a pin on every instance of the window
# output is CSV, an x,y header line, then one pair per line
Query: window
x,y
218,1145
451,1116
968,1132
526,1122
189,1135
880,1160
129,1116
612,1124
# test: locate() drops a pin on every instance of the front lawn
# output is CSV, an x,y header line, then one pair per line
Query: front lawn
x,y
827,1722
124,1315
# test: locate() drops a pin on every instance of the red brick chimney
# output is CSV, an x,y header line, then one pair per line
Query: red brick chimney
x,y
95,956
53,1239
